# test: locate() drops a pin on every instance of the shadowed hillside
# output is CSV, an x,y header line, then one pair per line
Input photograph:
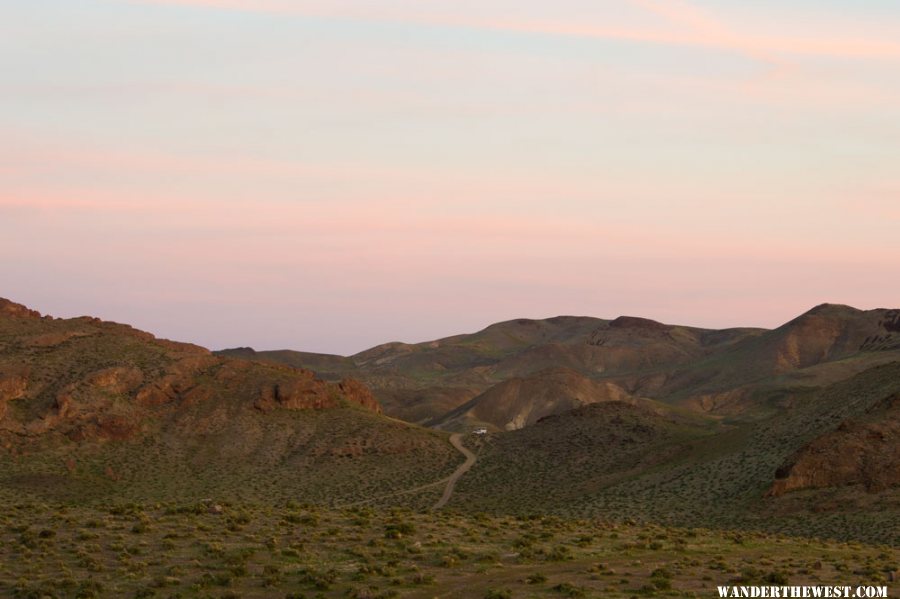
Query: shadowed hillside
x,y
863,450
830,455
827,344
464,380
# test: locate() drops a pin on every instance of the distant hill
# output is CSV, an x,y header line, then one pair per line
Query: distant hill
x,y
824,345
520,401
733,372
457,369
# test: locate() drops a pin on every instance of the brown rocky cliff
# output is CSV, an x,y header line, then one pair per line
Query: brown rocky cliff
x,y
866,453
91,380
8,308
299,391
355,391
180,378
303,391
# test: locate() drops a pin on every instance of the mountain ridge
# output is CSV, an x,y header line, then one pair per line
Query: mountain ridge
x,y
725,371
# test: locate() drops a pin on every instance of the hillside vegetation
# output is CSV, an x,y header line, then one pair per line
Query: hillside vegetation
x,y
92,410
825,465
298,551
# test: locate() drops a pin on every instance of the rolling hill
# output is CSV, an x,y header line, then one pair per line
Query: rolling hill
x,y
520,401
824,465
742,372
93,410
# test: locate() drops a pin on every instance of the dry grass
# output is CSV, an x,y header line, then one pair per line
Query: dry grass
x,y
297,550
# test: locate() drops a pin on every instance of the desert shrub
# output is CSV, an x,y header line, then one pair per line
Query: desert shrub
x,y
320,580
140,527
238,570
750,574
240,517
569,590
558,554
421,578
307,519
523,542
89,589
213,549
584,540
363,593
661,583
396,530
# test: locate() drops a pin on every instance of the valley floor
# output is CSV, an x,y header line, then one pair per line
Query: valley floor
x,y
210,550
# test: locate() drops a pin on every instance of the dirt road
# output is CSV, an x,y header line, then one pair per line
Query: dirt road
x,y
456,441
449,482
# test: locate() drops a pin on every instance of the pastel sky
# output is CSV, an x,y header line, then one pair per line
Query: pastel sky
x,y
329,175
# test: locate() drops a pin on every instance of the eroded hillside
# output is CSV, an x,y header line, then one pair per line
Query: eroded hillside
x,y
92,409
496,377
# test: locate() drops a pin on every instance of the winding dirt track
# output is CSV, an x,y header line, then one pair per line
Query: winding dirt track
x,y
450,481
456,441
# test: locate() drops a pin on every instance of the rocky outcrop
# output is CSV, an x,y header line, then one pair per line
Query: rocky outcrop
x,y
8,308
856,453
179,381
117,379
306,392
12,386
109,428
356,392
303,392
96,380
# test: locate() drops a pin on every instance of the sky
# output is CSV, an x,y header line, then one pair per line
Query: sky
x,y
327,176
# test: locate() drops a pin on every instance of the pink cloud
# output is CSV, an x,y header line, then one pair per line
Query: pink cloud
x,y
403,232
697,28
